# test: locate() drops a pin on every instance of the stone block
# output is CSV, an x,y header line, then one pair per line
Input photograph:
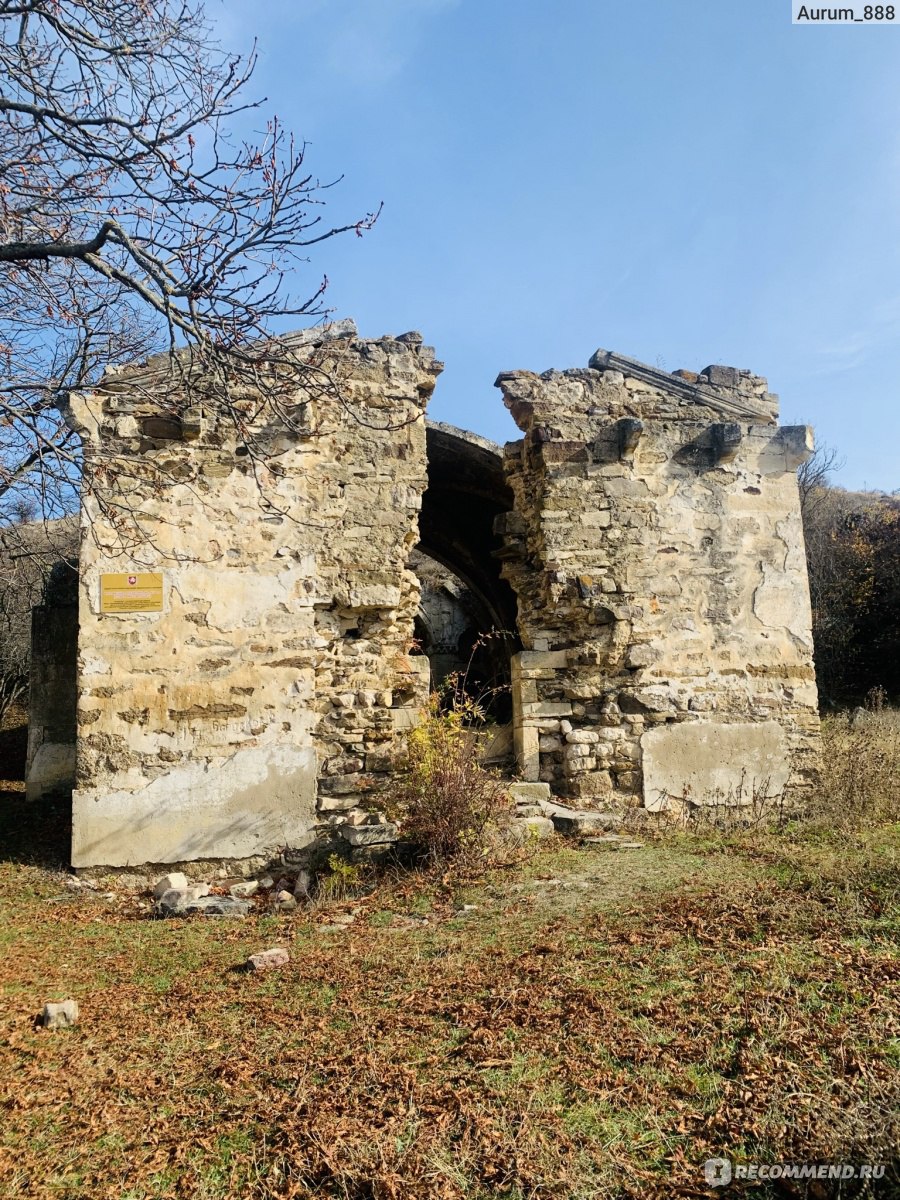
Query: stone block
x,y
726,438
580,764
576,823
369,835
727,377
640,656
267,960
525,829
798,444
526,741
356,816
595,783
576,751
539,660
51,769
547,708
710,762
61,1014
338,804
364,597
582,737
404,719
243,891
529,793
177,881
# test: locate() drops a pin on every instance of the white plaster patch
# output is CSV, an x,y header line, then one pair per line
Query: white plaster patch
x,y
708,762
53,766
92,664
781,602
237,599
258,799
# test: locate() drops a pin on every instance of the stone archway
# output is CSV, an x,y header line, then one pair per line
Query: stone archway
x,y
466,492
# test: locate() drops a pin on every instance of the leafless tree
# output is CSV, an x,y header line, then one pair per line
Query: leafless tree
x,y
133,219
814,476
31,554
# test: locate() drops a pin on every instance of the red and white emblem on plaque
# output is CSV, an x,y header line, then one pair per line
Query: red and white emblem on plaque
x,y
132,580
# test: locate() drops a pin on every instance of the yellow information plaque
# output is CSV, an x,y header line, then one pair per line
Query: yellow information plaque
x,y
131,593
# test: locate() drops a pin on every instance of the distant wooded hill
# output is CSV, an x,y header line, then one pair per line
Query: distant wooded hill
x,y
853,554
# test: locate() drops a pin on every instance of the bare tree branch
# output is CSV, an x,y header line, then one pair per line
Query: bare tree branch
x,y
133,221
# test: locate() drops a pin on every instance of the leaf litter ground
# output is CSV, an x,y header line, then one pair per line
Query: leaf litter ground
x,y
597,1025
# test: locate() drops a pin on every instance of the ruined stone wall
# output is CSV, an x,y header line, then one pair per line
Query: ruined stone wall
x,y
267,693
50,762
649,528
657,554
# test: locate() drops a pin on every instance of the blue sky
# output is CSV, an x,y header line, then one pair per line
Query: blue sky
x,y
682,181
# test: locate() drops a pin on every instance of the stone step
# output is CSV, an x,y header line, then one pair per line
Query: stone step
x,y
611,842
525,829
528,810
573,823
530,793
370,835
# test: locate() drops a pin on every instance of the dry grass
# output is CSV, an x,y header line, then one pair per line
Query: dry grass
x,y
861,771
596,1026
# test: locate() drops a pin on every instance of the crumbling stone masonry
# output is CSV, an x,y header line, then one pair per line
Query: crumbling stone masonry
x,y
268,691
656,550
648,537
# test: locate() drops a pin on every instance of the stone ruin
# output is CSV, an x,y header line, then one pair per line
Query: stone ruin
x,y
640,547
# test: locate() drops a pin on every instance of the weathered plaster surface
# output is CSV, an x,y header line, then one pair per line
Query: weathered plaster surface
x,y
710,762
649,531
657,554
268,693
227,807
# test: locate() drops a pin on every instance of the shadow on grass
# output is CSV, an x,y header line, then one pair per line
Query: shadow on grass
x,y
39,832
13,747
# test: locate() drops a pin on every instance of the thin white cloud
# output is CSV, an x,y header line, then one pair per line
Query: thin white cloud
x,y
850,351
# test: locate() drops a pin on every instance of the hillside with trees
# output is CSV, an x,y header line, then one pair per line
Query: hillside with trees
x,y
853,556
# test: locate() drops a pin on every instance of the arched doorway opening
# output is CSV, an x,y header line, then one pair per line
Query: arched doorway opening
x,y
468,616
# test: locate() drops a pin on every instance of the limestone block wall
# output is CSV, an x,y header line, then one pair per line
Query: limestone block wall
x,y
267,693
657,554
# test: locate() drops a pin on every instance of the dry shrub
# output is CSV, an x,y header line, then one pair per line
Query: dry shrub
x,y
860,770
859,785
447,803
